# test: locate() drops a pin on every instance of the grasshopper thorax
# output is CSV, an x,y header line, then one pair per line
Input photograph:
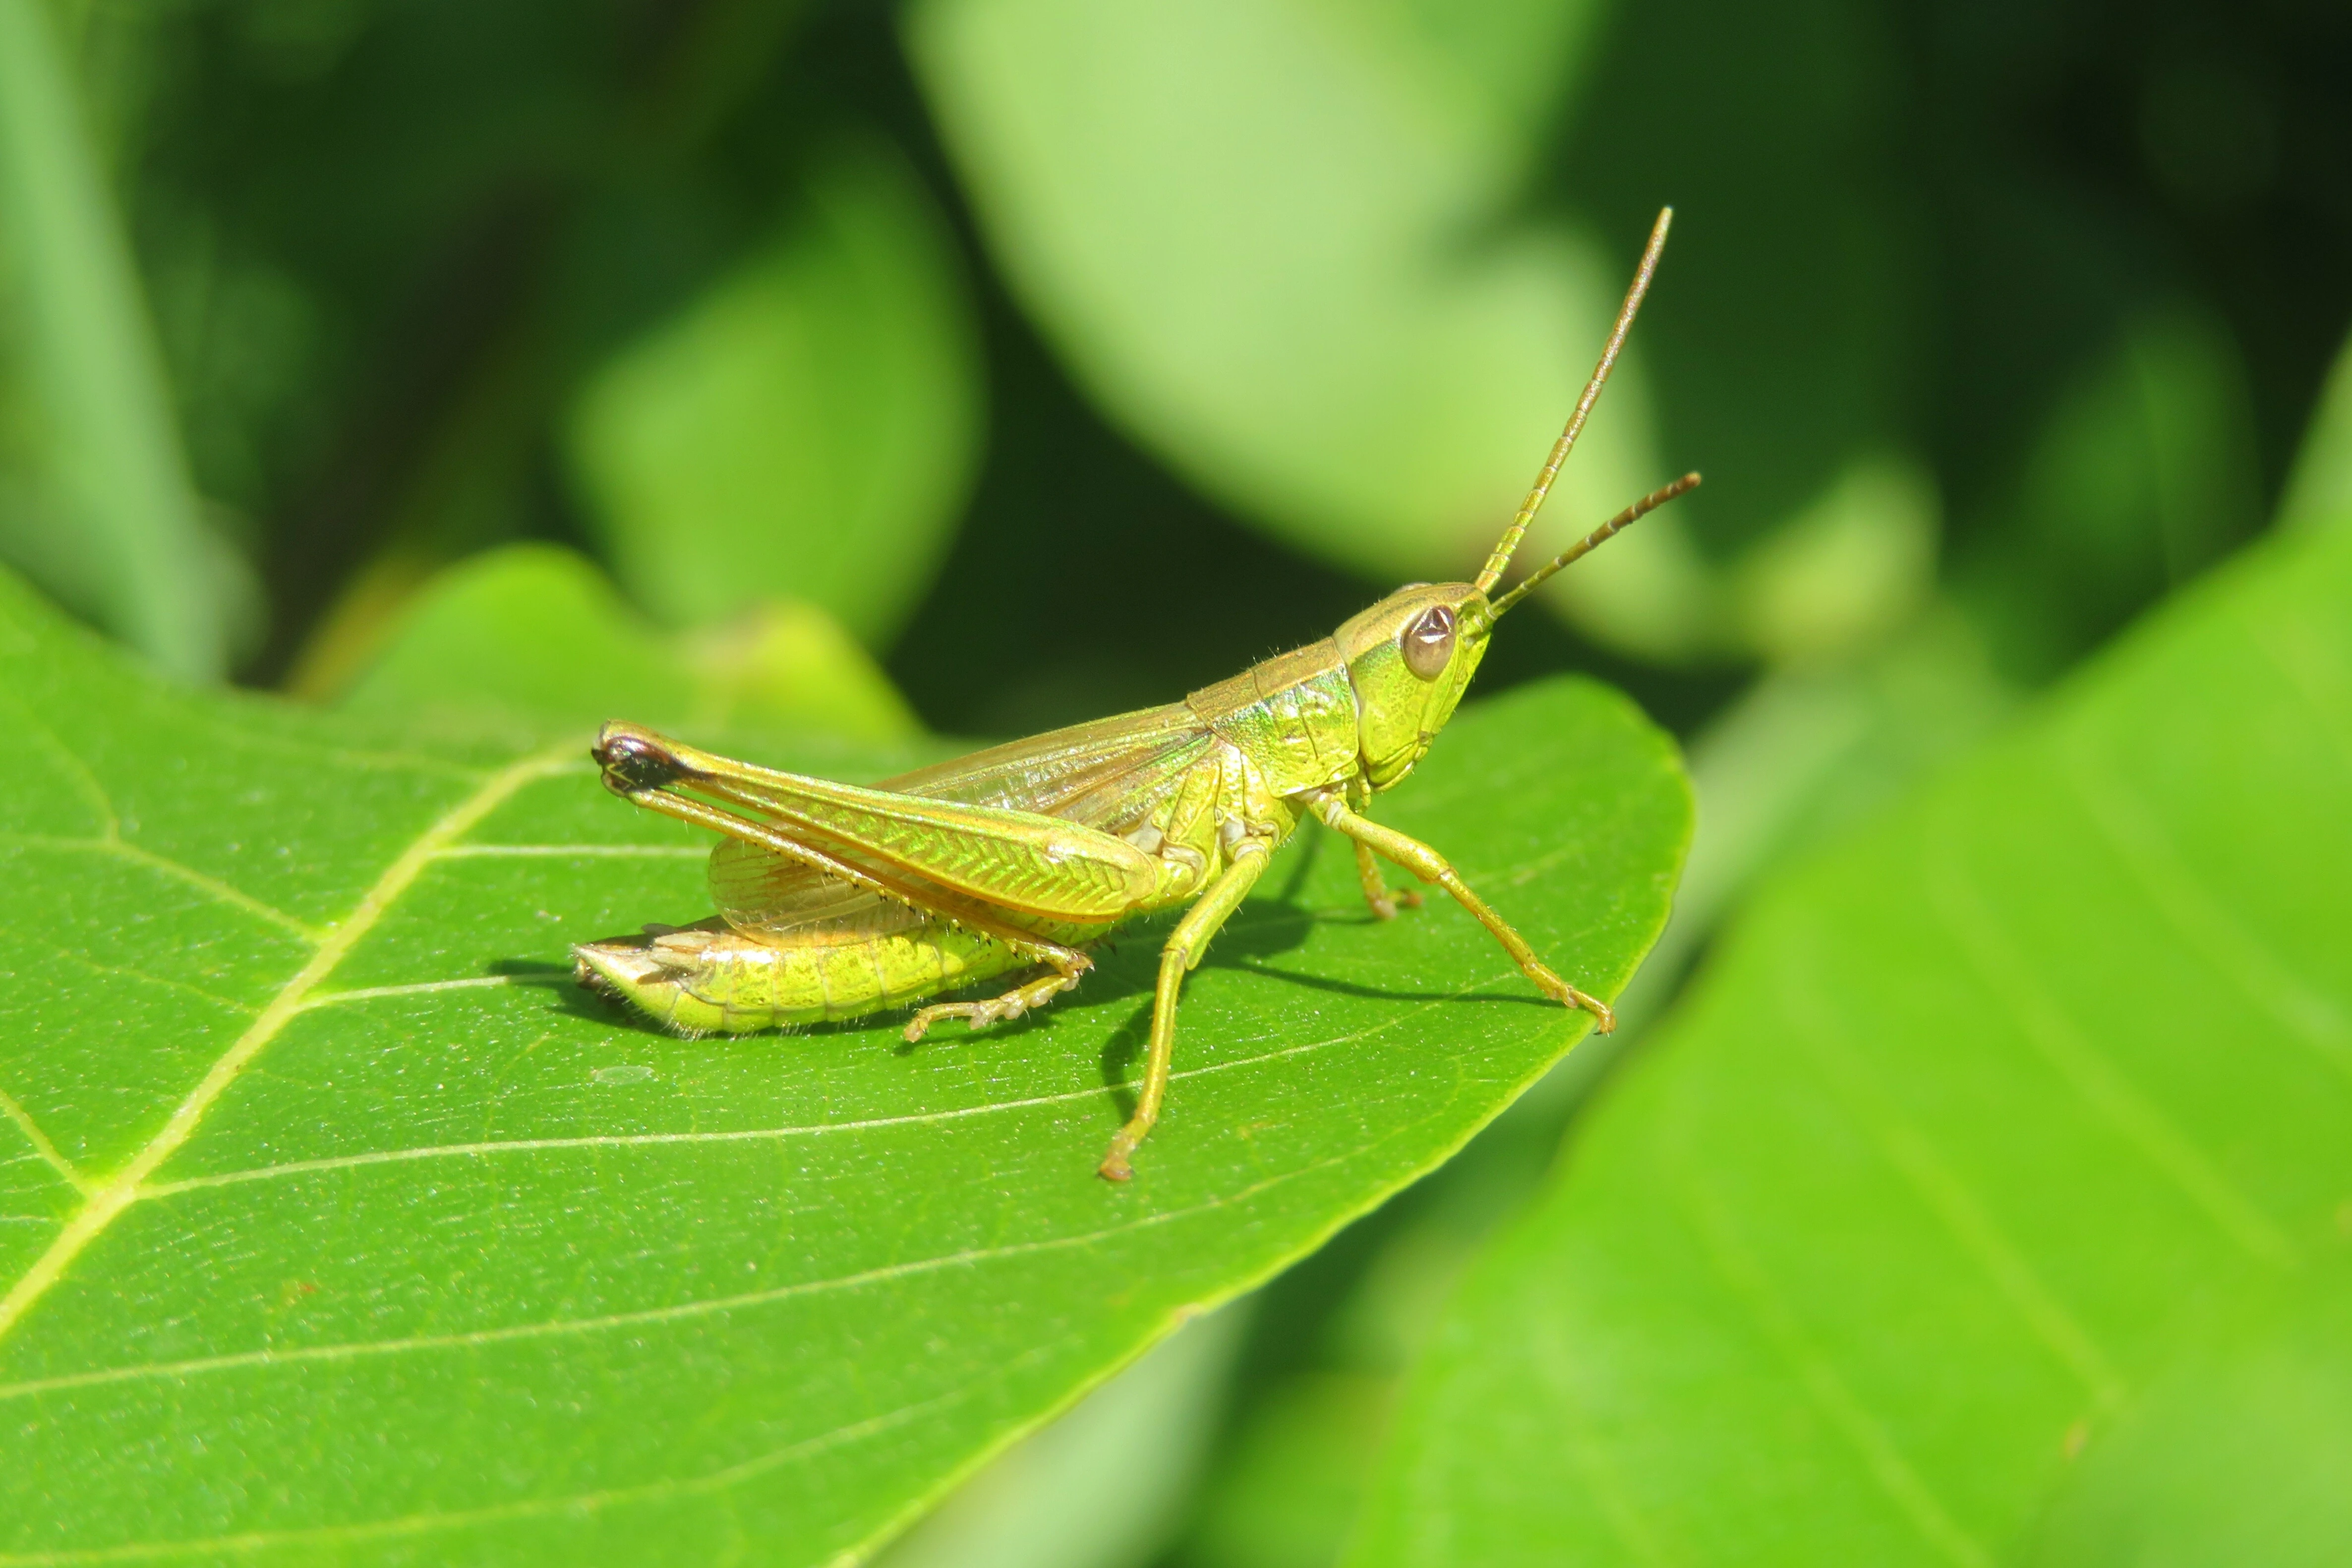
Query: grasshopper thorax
x,y
1409,657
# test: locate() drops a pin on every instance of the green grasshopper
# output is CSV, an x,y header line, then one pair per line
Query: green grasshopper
x,y
836,900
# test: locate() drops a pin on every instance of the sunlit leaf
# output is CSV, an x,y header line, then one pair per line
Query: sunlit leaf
x,y
106,513
1969,1123
534,636
2320,490
807,428
336,1222
2236,1453
1345,265
1269,237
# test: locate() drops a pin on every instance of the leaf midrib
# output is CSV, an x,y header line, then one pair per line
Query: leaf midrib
x,y
105,1199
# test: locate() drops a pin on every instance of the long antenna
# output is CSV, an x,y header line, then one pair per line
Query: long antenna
x,y
1498,562
1594,540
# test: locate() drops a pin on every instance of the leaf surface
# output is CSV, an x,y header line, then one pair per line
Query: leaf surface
x,y
1972,1125
337,1225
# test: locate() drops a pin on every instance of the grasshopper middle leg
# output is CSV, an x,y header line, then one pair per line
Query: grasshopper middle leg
x,y
1431,866
1067,966
1185,945
1383,898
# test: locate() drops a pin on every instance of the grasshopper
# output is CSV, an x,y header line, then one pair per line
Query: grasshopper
x,y
836,900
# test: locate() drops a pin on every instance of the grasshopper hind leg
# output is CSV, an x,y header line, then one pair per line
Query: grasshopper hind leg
x,y
1068,967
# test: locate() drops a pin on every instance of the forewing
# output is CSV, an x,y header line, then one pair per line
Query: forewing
x,y
1093,773
1109,774
1016,861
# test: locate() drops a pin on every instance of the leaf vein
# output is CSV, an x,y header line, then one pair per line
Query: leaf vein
x,y
2096,1079
2204,925
1907,1147
418,989
86,781
523,1508
202,882
1882,1457
124,972
680,1312
570,852
50,1152
107,1201
748,1134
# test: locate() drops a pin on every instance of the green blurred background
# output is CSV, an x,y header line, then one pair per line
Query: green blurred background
x,y
979,366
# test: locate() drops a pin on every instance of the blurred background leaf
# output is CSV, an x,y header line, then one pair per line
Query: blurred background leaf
x,y
808,427
533,639
96,503
2320,489
2236,1453
1106,1484
2144,476
1973,1118
1272,239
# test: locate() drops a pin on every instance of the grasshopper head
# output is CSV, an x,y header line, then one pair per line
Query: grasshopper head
x,y
1410,658
1412,655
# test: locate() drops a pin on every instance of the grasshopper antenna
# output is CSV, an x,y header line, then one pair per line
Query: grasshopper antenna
x,y
1594,540
1500,561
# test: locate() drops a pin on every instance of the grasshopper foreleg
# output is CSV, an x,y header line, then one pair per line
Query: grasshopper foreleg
x,y
1068,965
1383,898
1431,866
1185,945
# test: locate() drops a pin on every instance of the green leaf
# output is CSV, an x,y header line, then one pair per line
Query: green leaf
x,y
336,1223
2319,490
2142,477
109,517
534,636
1269,237
2236,1453
807,428
1972,1121
1103,1485
1345,265
1795,283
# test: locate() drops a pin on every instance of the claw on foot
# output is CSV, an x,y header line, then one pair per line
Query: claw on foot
x,y
976,1015
1603,1020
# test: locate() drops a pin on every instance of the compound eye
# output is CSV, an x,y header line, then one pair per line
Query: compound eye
x,y
1429,641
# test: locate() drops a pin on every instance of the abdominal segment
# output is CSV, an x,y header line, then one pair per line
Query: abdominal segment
x,y
712,979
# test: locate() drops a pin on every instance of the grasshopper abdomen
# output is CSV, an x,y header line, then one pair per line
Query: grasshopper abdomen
x,y
712,980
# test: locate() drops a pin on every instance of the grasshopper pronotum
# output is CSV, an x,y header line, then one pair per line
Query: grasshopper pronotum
x,y
836,900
